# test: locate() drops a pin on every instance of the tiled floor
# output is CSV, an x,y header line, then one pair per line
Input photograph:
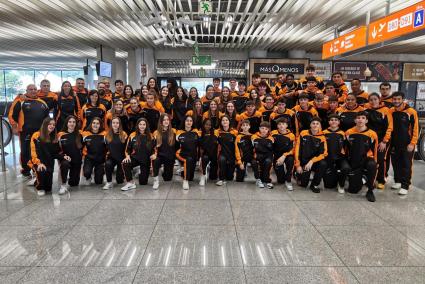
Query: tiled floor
x,y
231,234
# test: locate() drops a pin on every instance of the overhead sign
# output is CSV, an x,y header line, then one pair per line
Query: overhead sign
x,y
205,7
201,60
414,72
348,42
403,22
275,68
351,70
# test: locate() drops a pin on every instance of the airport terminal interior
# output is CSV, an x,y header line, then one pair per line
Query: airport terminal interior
x,y
270,141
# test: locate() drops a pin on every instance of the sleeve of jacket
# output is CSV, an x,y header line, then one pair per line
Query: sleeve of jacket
x,y
34,146
324,151
297,152
389,117
415,128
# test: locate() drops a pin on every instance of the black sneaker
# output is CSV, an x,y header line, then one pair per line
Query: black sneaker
x,y
315,188
370,196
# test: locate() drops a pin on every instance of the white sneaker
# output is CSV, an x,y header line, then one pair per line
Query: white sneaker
x,y
85,181
63,189
396,185
259,183
220,183
107,186
155,183
289,186
269,185
185,185
128,186
403,191
202,180
32,181
341,189
41,192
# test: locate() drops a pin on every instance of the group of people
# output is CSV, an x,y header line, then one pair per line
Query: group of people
x,y
297,127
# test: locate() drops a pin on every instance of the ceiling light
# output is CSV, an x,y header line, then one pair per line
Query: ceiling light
x,y
159,41
206,21
228,22
212,66
186,21
188,42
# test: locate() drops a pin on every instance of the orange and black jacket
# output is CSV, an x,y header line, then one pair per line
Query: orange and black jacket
x,y
117,96
303,118
291,101
322,112
189,142
342,92
244,148
139,147
360,146
89,112
115,149
44,152
226,143
206,103
29,114
152,113
133,116
312,93
81,95
69,146
197,120
18,99
283,143
388,101
309,147
166,104
66,106
179,109
380,120
123,118
288,114
94,146
263,146
405,126
254,120
165,150
320,84
266,112
209,144
240,101
348,116
50,99
106,101
335,141
215,119
362,98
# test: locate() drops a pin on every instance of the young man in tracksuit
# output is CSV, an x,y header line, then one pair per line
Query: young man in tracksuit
x,y
310,153
244,152
263,153
27,115
337,165
362,151
403,141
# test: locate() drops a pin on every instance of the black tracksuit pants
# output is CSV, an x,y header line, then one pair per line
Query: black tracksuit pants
x,y
319,169
226,168
264,165
356,175
44,180
402,161
144,170
284,172
70,172
336,172
25,156
99,170
240,174
110,164
212,160
168,167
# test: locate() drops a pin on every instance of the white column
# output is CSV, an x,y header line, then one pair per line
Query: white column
x,y
121,69
134,67
148,58
297,53
89,78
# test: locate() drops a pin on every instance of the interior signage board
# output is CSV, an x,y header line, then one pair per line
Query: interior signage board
x,y
414,72
351,70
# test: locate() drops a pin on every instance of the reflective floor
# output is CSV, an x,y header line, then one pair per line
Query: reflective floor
x,y
230,234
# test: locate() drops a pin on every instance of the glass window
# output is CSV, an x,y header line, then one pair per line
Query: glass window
x,y
2,90
72,76
17,82
199,83
53,76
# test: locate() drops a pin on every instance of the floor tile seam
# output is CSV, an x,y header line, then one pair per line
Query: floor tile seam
x,y
236,233
327,242
153,230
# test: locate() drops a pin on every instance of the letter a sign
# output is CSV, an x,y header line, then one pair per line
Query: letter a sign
x,y
419,18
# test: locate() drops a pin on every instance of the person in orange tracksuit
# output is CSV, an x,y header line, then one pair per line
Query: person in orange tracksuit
x,y
240,97
380,120
152,108
134,112
46,95
44,150
310,153
348,112
267,108
67,104
196,114
81,91
310,71
255,81
117,111
403,141
362,148
340,88
26,115
93,109
289,91
362,97
303,114
263,153
322,107
213,114
208,98
252,115
311,90
386,97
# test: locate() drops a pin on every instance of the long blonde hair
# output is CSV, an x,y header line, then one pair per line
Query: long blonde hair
x,y
160,130
110,135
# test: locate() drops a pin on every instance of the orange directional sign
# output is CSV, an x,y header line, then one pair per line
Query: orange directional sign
x,y
348,42
400,23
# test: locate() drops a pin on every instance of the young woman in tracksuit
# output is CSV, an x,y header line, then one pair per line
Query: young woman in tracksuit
x,y
94,152
44,150
188,153
213,114
93,109
196,114
115,140
244,152
226,137
165,155
67,104
117,110
179,107
209,145
139,152
263,152
71,144
380,120
283,151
